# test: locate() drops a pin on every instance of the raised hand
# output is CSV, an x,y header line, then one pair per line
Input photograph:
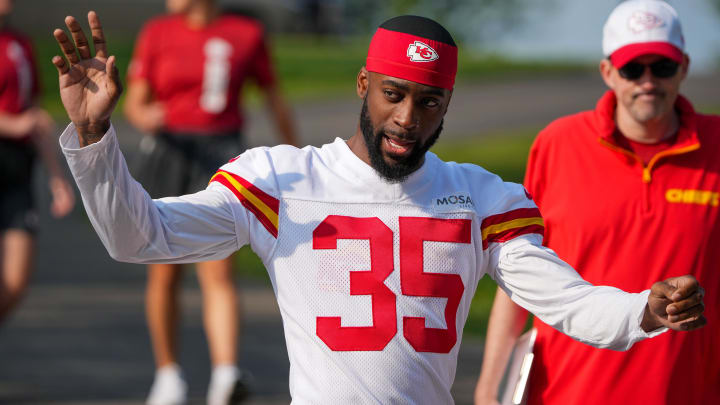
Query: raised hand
x,y
89,86
676,303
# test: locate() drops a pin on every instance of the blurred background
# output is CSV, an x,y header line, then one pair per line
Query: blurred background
x,y
80,336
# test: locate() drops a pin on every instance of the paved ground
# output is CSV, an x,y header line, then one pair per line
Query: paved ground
x,y
80,337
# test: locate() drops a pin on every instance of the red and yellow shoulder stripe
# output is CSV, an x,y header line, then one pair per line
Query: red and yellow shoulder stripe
x,y
264,206
511,224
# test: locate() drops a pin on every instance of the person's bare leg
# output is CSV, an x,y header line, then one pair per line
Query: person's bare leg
x,y
16,261
221,317
220,310
161,310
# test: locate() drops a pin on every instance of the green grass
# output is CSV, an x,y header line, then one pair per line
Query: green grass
x,y
503,153
325,67
709,109
308,67
249,265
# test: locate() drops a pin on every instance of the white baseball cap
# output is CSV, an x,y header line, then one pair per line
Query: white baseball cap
x,y
642,27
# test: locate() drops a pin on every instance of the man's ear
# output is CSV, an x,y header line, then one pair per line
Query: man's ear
x,y
606,69
363,81
684,66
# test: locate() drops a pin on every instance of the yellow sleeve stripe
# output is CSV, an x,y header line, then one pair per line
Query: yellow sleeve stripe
x,y
512,224
271,215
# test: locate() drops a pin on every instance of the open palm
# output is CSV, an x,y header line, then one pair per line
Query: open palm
x,y
89,86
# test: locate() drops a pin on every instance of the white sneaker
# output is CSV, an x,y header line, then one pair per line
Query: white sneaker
x,y
228,386
169,387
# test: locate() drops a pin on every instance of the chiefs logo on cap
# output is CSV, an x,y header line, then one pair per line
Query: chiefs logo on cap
x,y
643,21
419,51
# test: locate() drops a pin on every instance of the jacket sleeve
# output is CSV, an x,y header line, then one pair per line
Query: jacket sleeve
x,y
135,228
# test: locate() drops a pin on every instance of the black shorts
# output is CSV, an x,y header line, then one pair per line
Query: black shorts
x,y
17,205
177,164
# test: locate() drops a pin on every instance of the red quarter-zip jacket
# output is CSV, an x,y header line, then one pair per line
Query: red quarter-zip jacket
x,y
620,222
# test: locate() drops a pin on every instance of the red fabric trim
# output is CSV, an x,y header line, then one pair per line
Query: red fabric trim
x,y
388,55
269,200
509,234
264,220
510,215
627,53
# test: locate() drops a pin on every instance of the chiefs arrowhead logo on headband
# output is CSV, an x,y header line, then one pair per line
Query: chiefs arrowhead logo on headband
x,y
401,42
419,51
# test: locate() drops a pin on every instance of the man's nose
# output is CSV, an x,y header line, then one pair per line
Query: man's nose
x,y
405,114
647,78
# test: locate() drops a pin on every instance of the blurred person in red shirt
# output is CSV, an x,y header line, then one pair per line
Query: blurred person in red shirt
x,y
629,193
25,131
184,91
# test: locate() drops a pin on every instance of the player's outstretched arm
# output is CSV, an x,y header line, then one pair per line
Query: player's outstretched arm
x,y
89,85
676,303
601,316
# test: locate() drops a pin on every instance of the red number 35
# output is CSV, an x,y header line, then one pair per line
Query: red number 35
x,y
413,281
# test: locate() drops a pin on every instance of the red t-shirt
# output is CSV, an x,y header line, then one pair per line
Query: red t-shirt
x,y
645,151
623,223
18,78
198,73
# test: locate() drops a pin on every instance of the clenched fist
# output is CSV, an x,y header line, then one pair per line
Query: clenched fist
x,y
676,303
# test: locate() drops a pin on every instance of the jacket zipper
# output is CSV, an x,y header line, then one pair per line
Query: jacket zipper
x,y
647,170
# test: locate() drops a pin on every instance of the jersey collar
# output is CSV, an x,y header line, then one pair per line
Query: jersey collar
x,y
356,170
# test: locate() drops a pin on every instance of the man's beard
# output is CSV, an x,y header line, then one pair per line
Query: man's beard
x,y
400,170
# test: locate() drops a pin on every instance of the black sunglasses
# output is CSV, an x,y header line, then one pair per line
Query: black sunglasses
x,y
661,69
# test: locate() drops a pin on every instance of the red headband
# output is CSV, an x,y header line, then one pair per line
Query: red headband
x,y
413,58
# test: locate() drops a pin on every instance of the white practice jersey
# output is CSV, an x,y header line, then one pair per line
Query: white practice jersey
x,y
373,279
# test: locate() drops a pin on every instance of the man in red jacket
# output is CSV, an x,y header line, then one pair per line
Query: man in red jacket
x,y
629,193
